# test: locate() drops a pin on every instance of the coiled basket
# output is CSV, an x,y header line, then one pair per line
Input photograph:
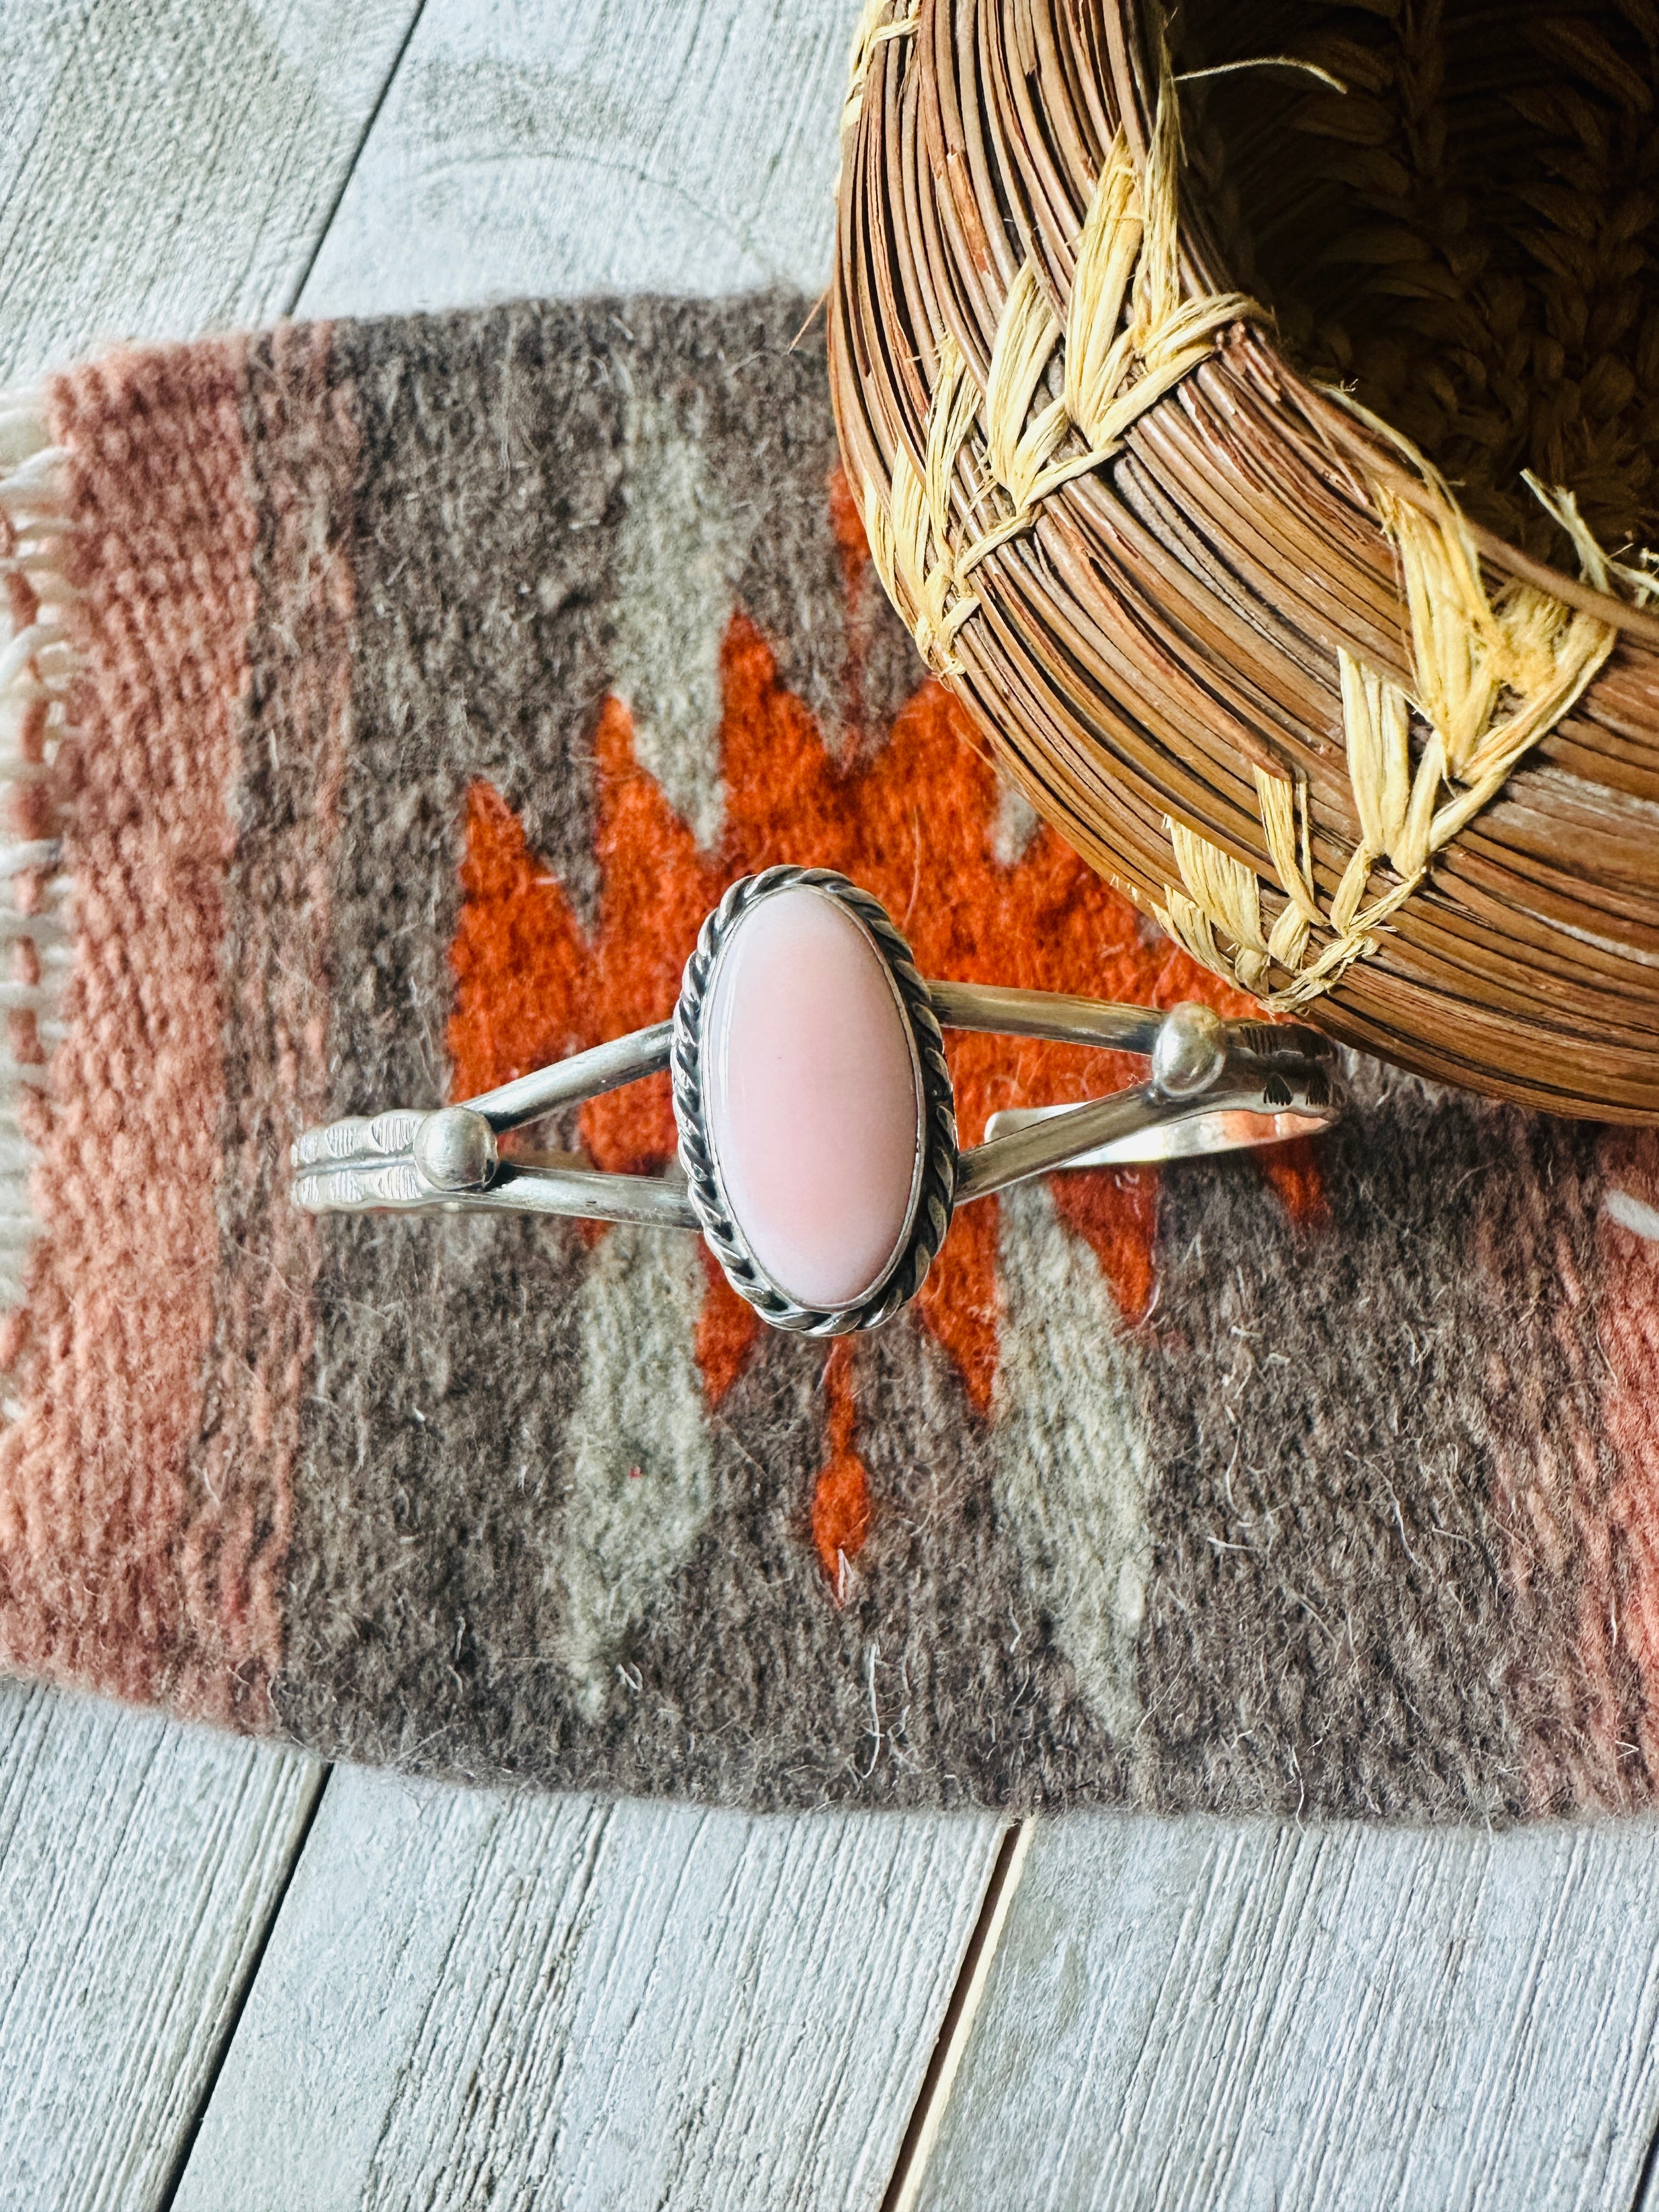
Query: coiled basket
x,y
1257,439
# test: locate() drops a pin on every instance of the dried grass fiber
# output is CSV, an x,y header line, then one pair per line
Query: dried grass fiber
x,y
1216,434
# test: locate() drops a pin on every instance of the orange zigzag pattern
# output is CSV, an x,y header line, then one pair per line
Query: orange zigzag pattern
x,y
913,822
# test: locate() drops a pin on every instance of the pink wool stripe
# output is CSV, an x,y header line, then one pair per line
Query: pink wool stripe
x,y
1555,1495
99,1513
1629,1319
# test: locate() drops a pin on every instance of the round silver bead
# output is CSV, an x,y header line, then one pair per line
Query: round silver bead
x,y
455,1149
1190,1052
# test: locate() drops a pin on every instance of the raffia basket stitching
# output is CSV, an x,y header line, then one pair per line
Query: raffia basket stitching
x,y
1232,631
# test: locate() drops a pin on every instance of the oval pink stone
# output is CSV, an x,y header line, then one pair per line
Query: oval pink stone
x,y
811,1097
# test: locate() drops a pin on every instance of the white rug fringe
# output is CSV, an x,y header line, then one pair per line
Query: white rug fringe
x,y
36,941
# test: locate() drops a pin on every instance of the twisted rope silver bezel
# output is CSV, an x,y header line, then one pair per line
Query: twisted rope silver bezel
x,y
936,1196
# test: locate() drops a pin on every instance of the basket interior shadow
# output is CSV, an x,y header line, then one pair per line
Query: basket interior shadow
x,y
1460,225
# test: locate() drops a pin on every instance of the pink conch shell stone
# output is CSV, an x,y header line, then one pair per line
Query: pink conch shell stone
x,y
811,1097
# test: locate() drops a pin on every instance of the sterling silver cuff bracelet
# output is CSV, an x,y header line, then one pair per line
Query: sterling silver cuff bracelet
x,y
818,1133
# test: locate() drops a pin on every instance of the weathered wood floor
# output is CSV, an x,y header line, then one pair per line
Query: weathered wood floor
x,y
232,1978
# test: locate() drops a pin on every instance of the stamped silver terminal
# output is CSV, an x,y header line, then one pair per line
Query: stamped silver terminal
x,y
455,1149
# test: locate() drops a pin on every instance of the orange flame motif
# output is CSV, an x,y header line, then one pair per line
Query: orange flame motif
x,y
913,821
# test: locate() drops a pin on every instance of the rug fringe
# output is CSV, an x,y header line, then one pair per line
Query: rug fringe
x,y
37,668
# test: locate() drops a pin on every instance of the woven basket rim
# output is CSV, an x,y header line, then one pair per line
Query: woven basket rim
x,y
1144,572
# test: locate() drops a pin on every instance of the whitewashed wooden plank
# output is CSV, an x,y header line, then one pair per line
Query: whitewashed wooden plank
x,y
473,1998
140,1863
168,165
1194,2012
530,147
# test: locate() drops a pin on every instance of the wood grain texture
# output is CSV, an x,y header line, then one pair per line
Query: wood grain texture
x,y
167,166
471,1998
140,1863
630,145
1192,2012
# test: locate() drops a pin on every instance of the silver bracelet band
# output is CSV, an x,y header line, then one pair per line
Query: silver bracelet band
x,y
1214,1086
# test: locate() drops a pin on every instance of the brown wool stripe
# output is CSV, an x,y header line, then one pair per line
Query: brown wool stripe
x,y
301,445
433,676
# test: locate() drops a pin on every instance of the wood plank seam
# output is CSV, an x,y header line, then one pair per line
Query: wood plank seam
x,y
958,2025
363,136
239,2002
1646,2197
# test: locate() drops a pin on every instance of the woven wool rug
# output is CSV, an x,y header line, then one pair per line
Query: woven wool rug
x,y
386,705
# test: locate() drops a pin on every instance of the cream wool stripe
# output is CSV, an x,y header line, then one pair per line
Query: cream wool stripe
x,y
639,1483
36,670
680,551
1072,1462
